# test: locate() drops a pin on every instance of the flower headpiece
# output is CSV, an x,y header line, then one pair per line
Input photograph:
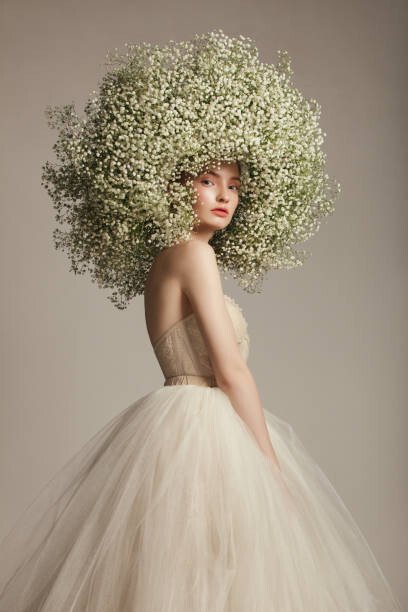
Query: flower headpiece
x,y
162,112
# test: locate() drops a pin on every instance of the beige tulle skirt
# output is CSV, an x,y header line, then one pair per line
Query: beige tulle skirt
x,y
172,507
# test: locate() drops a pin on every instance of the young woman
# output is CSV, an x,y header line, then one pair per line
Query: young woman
x,y
185,279
193,498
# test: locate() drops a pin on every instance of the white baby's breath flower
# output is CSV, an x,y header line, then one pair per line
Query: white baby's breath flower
x,y
160,111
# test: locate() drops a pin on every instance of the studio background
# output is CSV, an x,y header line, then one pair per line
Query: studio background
x,y
328,340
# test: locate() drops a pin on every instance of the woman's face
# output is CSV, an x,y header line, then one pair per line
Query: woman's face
x,y
217,196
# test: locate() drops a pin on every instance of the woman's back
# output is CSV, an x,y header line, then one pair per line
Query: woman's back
x,y
164,300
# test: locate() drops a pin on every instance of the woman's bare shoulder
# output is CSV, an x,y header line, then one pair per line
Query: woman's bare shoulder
x,y
185,253
178,260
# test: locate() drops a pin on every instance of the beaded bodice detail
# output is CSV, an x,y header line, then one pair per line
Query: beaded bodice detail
x,y
182,353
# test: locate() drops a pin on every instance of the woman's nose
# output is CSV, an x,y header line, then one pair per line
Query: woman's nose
x,y
223,195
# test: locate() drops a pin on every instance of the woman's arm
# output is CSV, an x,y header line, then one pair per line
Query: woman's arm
x,y
200,280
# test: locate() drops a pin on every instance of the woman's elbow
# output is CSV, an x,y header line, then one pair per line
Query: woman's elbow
x,y
233,375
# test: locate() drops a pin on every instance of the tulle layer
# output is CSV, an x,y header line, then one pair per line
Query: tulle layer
x,y
172,507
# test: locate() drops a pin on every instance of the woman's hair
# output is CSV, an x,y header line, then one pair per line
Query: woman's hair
x,y
162,114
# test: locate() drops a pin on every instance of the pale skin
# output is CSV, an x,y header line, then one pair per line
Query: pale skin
x,y
185,278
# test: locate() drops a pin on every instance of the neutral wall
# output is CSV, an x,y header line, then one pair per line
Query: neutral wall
x,y
328,341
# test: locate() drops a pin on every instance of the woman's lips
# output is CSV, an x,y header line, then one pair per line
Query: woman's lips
x,y
220,212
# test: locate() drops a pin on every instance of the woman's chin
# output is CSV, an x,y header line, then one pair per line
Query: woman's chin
x,y
212,224
216,222
217,226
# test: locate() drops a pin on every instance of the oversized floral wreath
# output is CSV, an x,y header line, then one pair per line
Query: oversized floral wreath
x,y
162,112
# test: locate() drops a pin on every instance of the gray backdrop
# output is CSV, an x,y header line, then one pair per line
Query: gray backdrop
x,y
328,341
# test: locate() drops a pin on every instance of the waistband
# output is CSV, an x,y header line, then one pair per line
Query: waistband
x,y
191,379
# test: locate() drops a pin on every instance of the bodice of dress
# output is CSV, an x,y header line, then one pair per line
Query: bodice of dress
x,y
182,353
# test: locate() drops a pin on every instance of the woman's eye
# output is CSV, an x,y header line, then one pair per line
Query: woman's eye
x,y
209,181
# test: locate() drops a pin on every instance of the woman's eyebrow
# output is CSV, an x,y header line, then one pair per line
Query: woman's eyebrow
x,y
237,178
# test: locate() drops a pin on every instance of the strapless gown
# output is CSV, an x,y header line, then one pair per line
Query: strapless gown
x,y
173,507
